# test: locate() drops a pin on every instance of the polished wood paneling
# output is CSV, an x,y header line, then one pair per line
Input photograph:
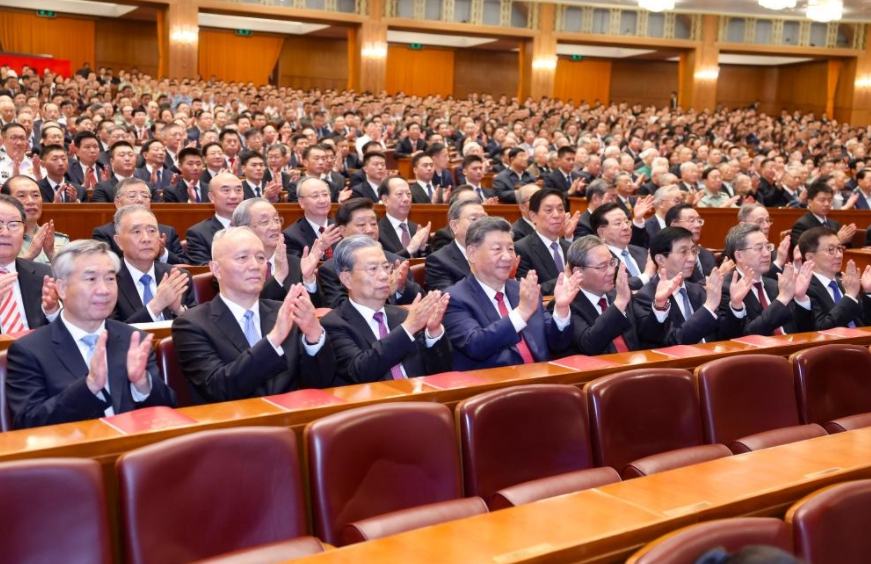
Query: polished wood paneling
x,y
64,37
313,62
420,72
803,87
479,70
741,85
643,82
126,44
586,81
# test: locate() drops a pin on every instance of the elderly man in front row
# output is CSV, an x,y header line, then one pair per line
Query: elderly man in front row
x,y
240,346
493,320
377,341
83,365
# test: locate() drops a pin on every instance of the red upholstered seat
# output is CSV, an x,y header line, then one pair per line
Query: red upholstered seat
x,y
832,381
204,287
210,493
172,373
649,414
378,459
743,397
522,433
830,526
552,486
272,553
685,545
848,423
54,510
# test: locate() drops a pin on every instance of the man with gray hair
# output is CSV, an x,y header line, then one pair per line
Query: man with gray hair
x,y
374,340
83,365
225,193
449,265
494,320
664,199
524,225
239,345
148,290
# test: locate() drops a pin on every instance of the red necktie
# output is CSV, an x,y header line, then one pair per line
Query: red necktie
x,y
522,347
763,300
328,254
268,269
619,342
10,315
90,178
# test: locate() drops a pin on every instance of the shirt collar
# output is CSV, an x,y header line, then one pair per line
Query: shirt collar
x,y
137,274
491,293
76,331
239,311
594,299
367,312
222,221
395,222
825,280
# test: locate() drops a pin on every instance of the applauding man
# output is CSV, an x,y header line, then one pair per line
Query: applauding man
x,y
83,365
238,345
377,341
494,320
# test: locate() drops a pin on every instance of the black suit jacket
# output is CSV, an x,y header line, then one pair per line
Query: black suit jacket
x,y
640,256
334,292
418,193
48,192
557,179
534,255
445,267
272,290
676,330
30,277
178,193
76,176
360,357
443,178
594,333
361,188
199,238
299,236
506,182
827,314
390,240
165,178
220,365
652,227
130,308
520,229
792,318
709,262
106,233
286,184
441,238
584,227
406,147
806,222
46,377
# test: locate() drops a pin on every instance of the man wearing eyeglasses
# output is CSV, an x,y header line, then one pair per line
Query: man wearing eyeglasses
x,y
835,303
773,308
757,214
671,310
374,340
686,216
612,225
602,319
283,270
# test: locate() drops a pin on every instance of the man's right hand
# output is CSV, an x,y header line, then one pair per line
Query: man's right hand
x,y
98,372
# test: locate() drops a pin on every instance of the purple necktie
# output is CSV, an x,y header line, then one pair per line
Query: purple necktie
x,y
557,258
378,316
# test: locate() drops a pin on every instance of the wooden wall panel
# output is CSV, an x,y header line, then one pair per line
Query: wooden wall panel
x,y
583,81
741,85
480,70
803,87
226,56
64,37
126,44
313,62
643,82
420,72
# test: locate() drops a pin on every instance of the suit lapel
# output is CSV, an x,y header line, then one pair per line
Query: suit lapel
x,y
67,350
386,230
457,260
545,258
489,309
116,359
227,324
31,292
127,289
361,327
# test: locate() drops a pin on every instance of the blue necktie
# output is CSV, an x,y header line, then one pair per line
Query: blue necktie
x,y
250,330
837,295
630,264
687,306
147,296
90,342
557,258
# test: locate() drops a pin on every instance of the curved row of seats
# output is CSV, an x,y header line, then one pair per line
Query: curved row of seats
x,y
382,469
829,526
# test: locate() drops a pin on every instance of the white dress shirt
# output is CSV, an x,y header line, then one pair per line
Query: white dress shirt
x,y
137,274
239,315
513,314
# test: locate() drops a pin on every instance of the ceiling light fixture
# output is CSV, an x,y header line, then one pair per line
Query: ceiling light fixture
x,y
656,5
777,4
825,10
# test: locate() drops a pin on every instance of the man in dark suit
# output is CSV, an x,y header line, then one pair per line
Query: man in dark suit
x,y
513,177
449,265
374,172
55,187
611,225
148,290
133,191
444,236
602,319
773,308
276,161
757,214
240,346
153,171
563,177
422,189
493,320
83,365
397,234
190,186
85,170
225,193
357,217
863,189
544,251
524,225
686,216
835,303
374,340
664,199
123,165
670,310
473,170
819,205
442,175
314,199
411,143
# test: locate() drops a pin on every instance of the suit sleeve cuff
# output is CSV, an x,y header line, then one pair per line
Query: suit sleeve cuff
x,y
805,303
516,321
138,396
661,316
313,350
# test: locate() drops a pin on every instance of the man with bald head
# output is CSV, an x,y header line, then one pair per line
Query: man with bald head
x,y
524,226
314,199
225,193
241,346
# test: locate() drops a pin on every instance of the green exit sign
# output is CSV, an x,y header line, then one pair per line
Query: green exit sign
x,y
244,32
45,13
415,46
577,57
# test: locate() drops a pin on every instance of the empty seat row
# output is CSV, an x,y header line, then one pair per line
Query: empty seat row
x,y
826,527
